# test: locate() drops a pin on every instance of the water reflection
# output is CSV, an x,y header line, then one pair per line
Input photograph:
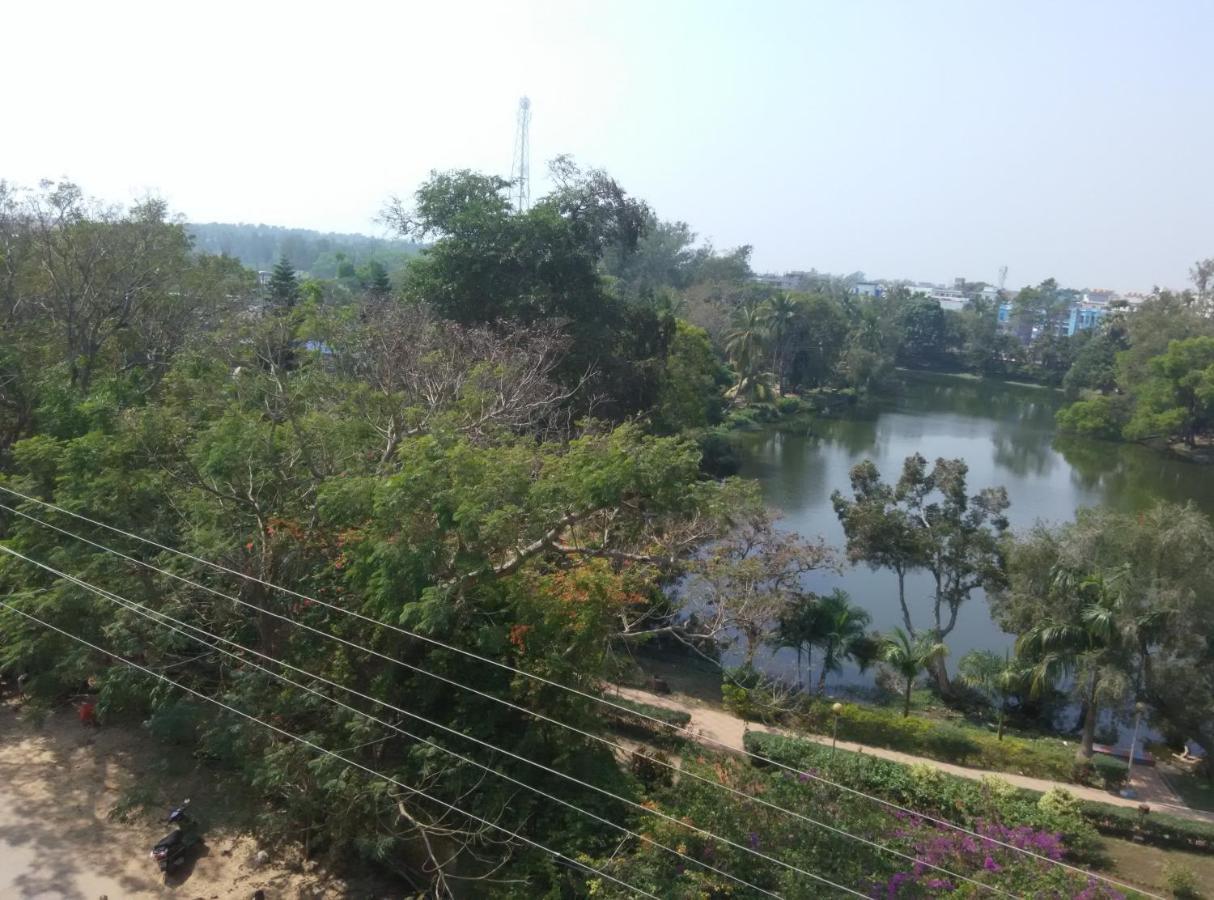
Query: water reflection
x,y
1004,432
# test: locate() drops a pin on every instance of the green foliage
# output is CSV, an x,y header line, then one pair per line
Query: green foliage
x,y
1177,400
1096,415
1182,881
1155,828
960,800
690,386
283,289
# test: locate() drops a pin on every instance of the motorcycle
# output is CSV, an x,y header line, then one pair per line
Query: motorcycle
x,y
170,851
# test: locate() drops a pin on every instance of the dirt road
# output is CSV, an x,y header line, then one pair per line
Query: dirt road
x,y
718,727
59,783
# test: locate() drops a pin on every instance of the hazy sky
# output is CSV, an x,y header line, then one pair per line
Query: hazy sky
x,y
904,139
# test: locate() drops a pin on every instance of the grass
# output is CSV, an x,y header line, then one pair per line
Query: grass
x,y
1195,790
1143,865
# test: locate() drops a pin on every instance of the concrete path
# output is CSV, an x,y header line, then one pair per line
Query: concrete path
x,y
715,727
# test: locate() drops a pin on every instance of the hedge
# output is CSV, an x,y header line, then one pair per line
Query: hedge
x,y
948,743
965,801
636,721
1157,829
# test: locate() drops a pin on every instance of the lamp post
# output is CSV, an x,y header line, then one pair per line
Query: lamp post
x,y
837,710
1139,708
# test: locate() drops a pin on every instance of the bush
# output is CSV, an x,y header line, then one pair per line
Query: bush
x,y
635,721
924,737
1181,881
1157,829
651,768
1110,773
932,792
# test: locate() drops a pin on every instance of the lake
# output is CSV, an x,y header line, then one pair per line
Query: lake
x,y
1005,433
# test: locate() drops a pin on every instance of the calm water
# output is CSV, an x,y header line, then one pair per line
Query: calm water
x,y
1005,433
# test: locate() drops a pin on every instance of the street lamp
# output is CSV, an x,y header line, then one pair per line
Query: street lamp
x,y
1139,708
837,710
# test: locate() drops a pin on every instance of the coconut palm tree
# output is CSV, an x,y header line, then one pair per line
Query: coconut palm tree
x,y
842,628
780,315
994,676
1085,639
801,628
909,656
746,338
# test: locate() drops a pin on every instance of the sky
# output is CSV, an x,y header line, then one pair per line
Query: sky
x,y
910,138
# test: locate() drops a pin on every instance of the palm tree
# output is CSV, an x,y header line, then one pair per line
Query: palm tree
x,y
747,337
1084,639
779,315
842,635
802,628
995,677
908,657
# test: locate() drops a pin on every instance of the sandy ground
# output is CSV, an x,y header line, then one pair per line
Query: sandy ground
x,y
59,782
717,727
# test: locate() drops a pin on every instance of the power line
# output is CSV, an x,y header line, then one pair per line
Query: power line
x,y
160,618
540,716
449,806
471,655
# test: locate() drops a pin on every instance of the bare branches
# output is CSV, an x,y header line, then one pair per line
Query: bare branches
x,y
477,381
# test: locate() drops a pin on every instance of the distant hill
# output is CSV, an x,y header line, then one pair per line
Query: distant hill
x,y
312,252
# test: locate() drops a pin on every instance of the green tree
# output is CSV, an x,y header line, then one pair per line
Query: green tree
x,y
377,281
283,287
1178,398
1121,602
996,677
844,636
691,385
925,332
488,263
927,521
908,657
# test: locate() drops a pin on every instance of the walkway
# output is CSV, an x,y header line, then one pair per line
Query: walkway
x,y
716,727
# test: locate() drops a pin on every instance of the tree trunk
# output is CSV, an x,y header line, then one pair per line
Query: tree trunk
x,y
1089,721
940,672
822,680
1002,714
910,683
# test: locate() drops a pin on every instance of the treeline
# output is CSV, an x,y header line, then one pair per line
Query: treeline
x,y
498,449
1149,373
319,254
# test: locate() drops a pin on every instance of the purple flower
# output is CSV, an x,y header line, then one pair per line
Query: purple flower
x,y
754,840
991,866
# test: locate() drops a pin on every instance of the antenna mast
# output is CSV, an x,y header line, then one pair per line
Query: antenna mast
x,y
520,168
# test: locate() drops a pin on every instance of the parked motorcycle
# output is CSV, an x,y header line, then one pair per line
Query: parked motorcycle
x,y
170,851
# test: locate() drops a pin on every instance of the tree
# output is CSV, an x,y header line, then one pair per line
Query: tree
x,y
779,317
689,391
1178,399
908,657
997,678
1081,640
925,333
283,288
1119,600
489,264
378,283
843,635
927,521
746,340
748,579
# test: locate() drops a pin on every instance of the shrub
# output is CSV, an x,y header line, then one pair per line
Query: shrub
x,y
633,721
1181,881
932,792
651,768
1111,774
923,737
1157,829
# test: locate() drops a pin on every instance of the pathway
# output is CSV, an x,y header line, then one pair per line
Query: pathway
x,y
715,726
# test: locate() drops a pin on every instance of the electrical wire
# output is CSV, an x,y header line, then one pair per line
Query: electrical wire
x,y
160,618
687,731
412,790
127,603
590,735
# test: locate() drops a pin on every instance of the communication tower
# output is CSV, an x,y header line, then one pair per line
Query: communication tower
x,y
520,168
